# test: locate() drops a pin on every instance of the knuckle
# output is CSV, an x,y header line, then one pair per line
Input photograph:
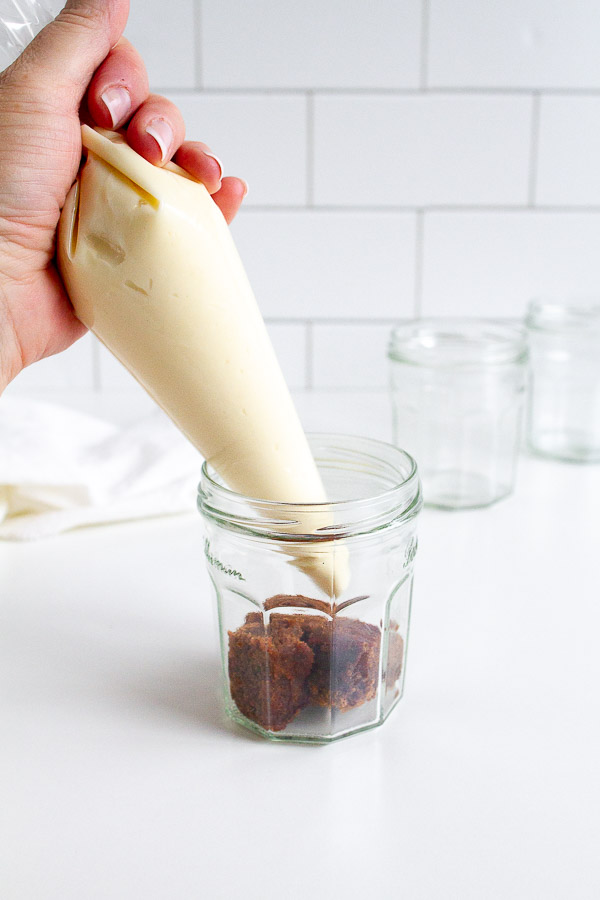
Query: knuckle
x,y
84,15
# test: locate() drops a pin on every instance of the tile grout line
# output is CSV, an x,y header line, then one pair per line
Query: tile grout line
x,y
392,210
242,90
197,26
534,149
333,320
424,46
419,247
344,389
310,149
363,391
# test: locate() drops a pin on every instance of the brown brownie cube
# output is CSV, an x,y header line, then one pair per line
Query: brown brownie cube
x,y
346,667
268,668
321,658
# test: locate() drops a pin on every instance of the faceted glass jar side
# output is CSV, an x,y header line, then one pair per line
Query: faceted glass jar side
x,y
563,410
300,664
457,391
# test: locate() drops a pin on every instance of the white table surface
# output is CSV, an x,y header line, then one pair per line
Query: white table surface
x,y
121,777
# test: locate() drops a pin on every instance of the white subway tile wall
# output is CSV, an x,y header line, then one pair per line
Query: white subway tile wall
x,y
569,159
350,355
273,44
262,138
165,35
363,412
291,344
403,158
492,263
513,43
317,264
422,150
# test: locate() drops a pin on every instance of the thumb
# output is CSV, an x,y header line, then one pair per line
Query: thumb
x,y
63,57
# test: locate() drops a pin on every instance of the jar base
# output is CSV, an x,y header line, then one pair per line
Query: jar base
x,y
309,728
566,446
454,489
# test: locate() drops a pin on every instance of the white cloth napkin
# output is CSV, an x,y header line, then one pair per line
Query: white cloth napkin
x,y
61,469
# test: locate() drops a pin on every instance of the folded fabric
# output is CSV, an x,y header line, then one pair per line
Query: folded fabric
x,y
61,469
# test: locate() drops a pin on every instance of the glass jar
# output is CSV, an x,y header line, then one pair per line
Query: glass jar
x,y
299,663
457,390
563,414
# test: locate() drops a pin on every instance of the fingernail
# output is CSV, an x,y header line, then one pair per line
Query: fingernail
x,y
245,183
161,131
217,160
118,103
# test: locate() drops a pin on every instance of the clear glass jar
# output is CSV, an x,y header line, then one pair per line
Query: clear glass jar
x,y
457,390
563,414
300,664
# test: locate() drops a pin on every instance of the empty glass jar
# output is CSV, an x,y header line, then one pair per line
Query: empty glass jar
x,y
457,395
563,415
301,663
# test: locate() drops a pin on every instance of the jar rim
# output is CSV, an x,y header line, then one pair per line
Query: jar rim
x,y
554,314
458,341
399,502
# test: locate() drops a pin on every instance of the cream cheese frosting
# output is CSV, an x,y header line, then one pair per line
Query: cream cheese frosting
x,y
151,268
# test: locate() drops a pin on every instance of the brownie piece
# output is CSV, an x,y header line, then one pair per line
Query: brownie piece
x,y
346,667
268,670
297,659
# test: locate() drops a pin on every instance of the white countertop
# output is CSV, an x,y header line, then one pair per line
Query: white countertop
x,y
121,777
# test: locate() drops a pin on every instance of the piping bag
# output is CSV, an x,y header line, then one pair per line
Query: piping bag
x,y
20,21
151,268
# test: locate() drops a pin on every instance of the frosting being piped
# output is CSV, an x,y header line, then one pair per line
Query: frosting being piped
x,y
151,268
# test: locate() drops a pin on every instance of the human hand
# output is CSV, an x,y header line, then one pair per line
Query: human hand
x,y
78,68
